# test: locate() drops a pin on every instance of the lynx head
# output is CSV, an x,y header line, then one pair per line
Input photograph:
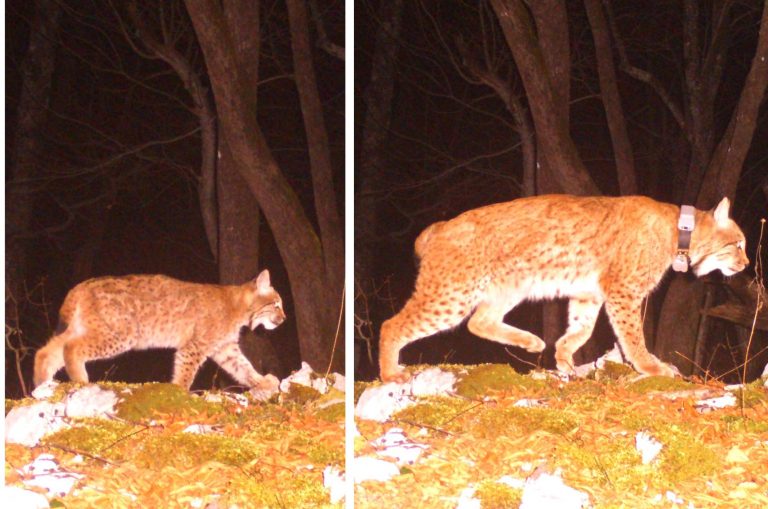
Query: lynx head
x,y
719,243
265,307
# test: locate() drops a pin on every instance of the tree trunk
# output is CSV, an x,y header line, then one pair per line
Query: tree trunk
x,y
24,165
676,332
331,229
371,161
559,153
609,91
296,240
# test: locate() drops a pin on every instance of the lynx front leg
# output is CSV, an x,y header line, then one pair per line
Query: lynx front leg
x,y
582,314
488,322
626,321
185,365
232,360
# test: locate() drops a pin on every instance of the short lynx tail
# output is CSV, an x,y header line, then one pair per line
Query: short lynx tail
x,y
49,360
422,240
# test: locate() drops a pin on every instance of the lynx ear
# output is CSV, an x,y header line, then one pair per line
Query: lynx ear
x,y
721,212
262,282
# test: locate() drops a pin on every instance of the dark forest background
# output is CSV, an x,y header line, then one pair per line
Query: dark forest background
x,y
461,104
199,139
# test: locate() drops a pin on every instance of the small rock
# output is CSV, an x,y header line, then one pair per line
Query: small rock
x,y
45,390
736,455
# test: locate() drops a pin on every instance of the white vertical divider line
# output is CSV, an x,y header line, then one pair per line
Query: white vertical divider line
x,y
349,249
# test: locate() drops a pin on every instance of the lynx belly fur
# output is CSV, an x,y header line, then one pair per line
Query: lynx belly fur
x,y
594,251
106,316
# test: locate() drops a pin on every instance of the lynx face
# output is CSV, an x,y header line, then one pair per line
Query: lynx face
x,y
266,306
723,248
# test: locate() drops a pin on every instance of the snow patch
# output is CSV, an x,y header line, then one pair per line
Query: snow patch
x,y
19,498
395,444
647,446
335,481
91,401
306,376
368,468
26,425
379,403
549,490
45,472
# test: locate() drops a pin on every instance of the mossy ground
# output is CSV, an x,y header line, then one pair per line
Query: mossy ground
x,y
265,455
587,429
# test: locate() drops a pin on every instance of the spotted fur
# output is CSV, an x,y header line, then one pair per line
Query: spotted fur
x,y
594,251
106,316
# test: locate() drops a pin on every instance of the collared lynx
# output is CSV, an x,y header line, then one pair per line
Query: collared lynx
x,y
106,316
592,250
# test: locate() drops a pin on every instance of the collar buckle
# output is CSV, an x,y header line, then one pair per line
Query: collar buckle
x,y
685,226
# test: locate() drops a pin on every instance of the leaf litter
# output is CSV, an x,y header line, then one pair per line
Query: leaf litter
x,y
585,429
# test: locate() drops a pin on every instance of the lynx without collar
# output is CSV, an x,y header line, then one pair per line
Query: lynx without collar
x,y
591,250
106,316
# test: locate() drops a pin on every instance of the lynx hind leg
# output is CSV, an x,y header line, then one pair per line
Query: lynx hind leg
x,y
50,359
419,318
488,322
626,320
186,362
87,347
582,315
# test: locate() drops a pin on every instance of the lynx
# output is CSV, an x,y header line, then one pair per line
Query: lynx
x,y
106,316
591,250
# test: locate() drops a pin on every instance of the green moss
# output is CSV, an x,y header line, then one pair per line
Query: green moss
x,y
186,450
659,384
683,457
332,413
319,452
496,495
100,437
614,371
301,394
147,401
479,380
752,394
736,423
513,421
304,491
435,411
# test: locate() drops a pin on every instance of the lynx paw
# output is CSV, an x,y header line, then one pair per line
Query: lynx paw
x,y
537,345
399,376
565,363
660,369
265,388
